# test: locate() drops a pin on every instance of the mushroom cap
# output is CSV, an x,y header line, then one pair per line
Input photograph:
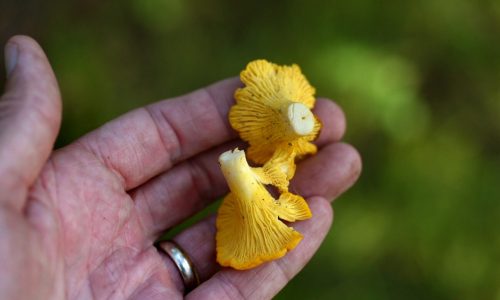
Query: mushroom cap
x,y
249,226
273,110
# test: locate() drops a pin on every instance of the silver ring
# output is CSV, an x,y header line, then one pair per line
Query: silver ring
x,y
182,262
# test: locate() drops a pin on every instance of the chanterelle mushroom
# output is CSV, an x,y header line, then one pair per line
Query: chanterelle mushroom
x,y
279,169
249,229
273,110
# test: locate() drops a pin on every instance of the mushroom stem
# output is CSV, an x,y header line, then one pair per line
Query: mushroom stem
x,y
239,176
300,118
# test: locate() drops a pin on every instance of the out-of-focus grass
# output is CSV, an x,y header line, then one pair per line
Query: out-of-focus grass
x,y
420,85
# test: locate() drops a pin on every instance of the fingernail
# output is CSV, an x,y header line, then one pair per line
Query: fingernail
x,y
11,54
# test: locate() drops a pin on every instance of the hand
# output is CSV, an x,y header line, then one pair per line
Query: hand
x,y
80,222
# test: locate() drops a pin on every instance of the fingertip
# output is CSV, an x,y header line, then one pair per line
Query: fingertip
x,y
333,121
329,173
24,46
356,162
30,77
347,167
24,40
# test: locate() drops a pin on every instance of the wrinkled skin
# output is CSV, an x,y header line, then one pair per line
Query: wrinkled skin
x,y
80,222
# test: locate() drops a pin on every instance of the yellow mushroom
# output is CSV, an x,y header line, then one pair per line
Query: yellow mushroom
x,y
249,226
273,110
279,169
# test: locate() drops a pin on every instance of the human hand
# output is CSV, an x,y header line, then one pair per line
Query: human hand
x,y
80,222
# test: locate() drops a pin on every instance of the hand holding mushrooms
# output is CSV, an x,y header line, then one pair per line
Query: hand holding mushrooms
x,y
81,221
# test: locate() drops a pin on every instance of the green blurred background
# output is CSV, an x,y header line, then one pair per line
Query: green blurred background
x,y
419,82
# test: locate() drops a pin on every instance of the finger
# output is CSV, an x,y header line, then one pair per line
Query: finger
x,y
198,240
30,115
169,198
147,141
267,280
332,120
329,173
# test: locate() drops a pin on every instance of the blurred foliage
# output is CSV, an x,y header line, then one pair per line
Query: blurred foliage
x,y
419,82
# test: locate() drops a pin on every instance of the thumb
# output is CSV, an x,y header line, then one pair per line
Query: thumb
x,y
30,116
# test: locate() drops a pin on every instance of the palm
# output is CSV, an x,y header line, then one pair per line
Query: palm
x,y
83,219
104,248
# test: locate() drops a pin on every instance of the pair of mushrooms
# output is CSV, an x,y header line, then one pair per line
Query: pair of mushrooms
x,y
273,114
